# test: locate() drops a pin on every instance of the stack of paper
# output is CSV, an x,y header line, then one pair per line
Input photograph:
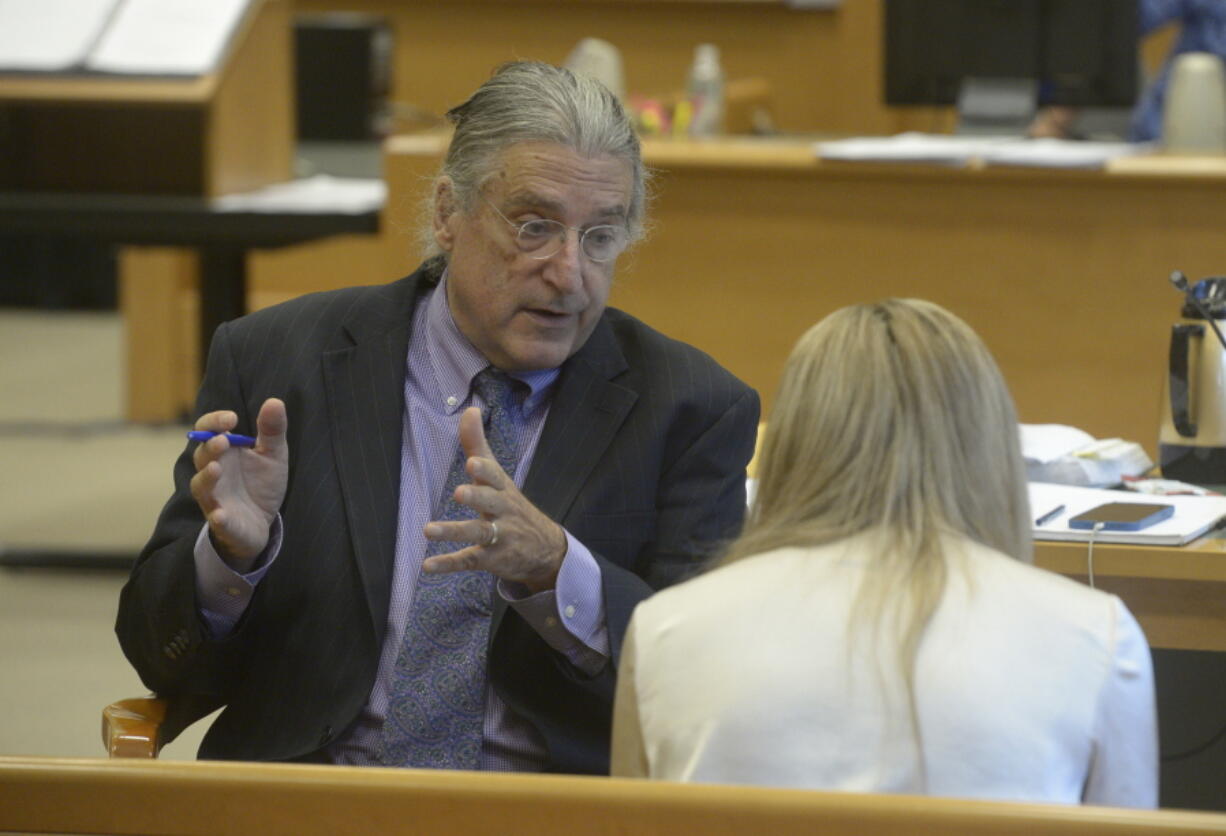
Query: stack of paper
x,y
1069,456
1194,515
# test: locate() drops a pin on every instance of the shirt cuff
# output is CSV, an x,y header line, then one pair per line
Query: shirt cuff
x,y
571,616
223,594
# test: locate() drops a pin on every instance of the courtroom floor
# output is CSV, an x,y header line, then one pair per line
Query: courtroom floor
x,y
76,482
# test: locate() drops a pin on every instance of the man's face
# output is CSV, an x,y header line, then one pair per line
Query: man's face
x,y
524,313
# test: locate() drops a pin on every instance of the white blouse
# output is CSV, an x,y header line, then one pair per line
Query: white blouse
x,y
1029,686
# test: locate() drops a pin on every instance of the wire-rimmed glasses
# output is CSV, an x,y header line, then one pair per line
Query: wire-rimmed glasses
x,y
542,238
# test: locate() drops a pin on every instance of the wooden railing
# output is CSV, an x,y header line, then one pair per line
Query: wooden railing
x,y
66,796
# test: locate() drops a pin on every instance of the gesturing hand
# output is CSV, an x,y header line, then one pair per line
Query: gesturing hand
x,y
240,490
512,538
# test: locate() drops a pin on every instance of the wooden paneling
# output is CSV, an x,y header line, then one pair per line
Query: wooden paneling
x,y
823,65
158,288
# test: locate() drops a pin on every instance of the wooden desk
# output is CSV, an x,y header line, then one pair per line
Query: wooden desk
x,y
220,238
1178,594
1063,273
230,130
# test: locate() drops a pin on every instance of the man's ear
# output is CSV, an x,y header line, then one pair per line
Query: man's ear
x,y
445,212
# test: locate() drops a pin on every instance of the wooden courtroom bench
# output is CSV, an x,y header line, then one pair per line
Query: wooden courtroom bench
x,y
63,796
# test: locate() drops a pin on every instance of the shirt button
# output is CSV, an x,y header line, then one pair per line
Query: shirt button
x,y
569,612
452,400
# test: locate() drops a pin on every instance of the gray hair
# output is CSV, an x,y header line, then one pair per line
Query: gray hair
x,y
530,101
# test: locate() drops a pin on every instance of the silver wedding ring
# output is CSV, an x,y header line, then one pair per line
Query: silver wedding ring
x,y
493,534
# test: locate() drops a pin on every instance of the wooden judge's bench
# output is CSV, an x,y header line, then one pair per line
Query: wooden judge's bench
x,y
1063,273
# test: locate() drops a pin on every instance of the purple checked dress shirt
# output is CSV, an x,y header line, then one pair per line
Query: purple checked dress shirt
x,y
440,367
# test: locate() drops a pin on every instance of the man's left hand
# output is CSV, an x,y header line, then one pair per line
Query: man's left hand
x,y
512,538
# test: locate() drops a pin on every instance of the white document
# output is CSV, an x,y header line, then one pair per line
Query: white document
x,y
1061,153
50,35
1044,443
951,149
167,37
321,193
909,147
1194,515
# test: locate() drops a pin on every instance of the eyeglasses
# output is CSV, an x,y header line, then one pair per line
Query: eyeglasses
x,y
542,238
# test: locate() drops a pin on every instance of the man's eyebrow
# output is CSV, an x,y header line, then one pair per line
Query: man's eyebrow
x,y
531,200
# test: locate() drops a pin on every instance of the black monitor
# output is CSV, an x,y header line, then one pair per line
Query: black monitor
x,y
993,58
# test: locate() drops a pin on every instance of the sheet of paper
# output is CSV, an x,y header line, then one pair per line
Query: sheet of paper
x,y
167,37
956,149
321,193
909,147
1061,153
50,35
1048,442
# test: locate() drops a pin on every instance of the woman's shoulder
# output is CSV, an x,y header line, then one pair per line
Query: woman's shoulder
x,y
745,582
1002,581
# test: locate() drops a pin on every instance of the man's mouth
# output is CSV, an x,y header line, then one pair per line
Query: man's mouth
x,y
549,314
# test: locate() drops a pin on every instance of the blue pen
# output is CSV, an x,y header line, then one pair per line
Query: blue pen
x,y
236,440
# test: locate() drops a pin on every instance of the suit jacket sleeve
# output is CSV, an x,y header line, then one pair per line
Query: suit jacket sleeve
x,y
159,625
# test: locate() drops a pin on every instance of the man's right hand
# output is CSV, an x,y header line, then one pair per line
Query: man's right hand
x,y
240,490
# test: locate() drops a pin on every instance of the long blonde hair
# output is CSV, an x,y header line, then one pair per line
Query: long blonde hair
x,y
891,418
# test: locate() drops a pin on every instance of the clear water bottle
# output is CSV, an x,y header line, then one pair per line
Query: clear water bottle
x,y
705,92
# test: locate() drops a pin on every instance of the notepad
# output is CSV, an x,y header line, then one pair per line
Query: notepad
x,y
129,37
1194,515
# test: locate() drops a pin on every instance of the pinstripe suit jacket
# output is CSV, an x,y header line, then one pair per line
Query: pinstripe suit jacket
x,y
642,458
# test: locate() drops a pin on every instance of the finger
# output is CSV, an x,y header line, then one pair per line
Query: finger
x,y
478,532
204,485
472,434
210,451
223,420
484,499
271,425
465,560
487,471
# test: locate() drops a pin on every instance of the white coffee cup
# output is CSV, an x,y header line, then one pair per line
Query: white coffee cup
x,y
1194,118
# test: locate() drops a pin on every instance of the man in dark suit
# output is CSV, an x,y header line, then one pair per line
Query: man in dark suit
x,y
354,588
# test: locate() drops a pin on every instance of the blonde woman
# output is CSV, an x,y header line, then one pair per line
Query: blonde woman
x,y
878,627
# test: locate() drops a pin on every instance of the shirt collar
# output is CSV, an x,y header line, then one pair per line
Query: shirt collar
x,y
456,361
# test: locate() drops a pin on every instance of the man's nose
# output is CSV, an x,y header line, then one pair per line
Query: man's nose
x,y
564,268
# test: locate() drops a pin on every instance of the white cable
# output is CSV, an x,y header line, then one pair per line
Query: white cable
x,y
1098,526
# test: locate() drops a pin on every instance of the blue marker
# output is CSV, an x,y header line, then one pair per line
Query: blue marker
x,y
236,440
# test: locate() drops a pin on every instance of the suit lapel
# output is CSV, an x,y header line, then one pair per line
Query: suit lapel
x,y
584,416
364,386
